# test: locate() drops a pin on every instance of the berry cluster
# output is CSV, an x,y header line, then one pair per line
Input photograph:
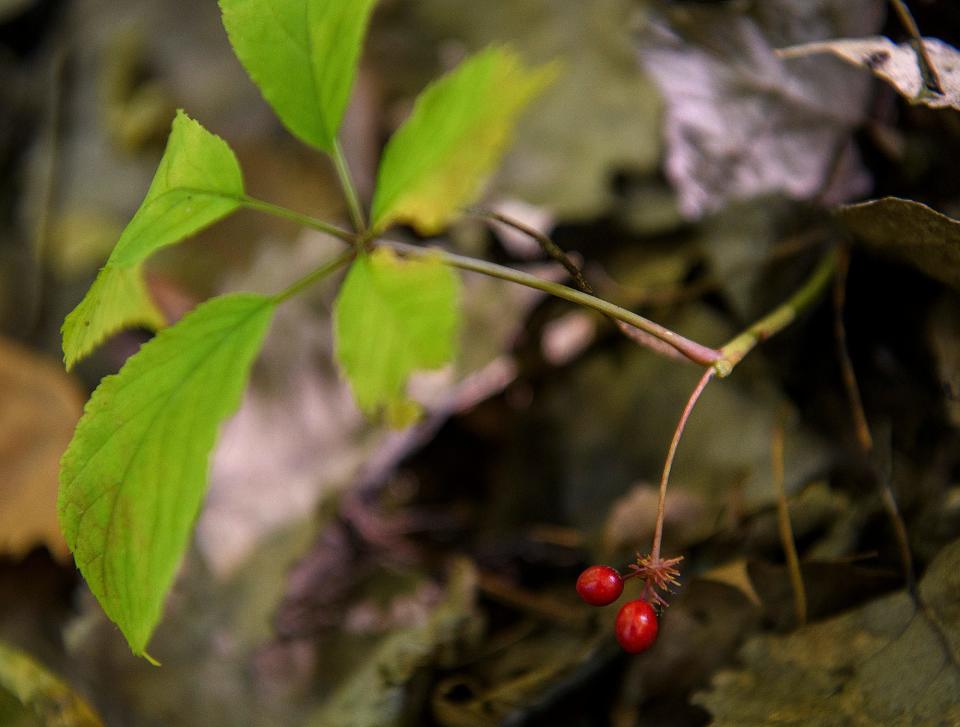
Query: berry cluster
x,y
636,625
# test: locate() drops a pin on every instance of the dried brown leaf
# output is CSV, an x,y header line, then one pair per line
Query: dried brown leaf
x,y
894,661
910,231
896,64
40,407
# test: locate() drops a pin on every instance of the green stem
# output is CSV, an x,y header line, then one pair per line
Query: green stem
x,y
694,351
349,190
287,214
315,275
782,316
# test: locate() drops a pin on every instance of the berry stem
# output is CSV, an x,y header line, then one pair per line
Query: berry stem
x,y
668,464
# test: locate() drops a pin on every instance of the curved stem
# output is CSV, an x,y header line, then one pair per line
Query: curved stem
x,y
694,351
779,318
551,248
349,190
668,464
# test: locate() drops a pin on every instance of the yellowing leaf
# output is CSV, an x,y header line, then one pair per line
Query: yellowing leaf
x,y
393,317
302,54
439,159
197,183
134,476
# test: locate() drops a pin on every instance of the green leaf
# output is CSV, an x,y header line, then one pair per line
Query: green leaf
x,y
303,57
117,299
197,183
133,478
439,159
393,317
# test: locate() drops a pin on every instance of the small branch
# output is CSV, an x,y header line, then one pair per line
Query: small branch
x,y
692,350
931,78
288,214
349,190
861,426
783,523
668,464
734,352
316,275
551,248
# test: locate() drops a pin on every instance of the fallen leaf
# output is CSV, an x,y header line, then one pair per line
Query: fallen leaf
x,y
898,65
736,574
945,340
909,231
741,123
377,693
894,661
41,406
46,694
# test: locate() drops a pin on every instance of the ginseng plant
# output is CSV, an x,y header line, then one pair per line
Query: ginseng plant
x,y
135,473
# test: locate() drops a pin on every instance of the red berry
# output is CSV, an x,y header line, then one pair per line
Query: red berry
x,y
599,585
636,626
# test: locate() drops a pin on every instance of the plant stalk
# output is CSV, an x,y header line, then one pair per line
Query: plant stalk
x,y
315,275
694,351
288,214
349,190
779,318
556,253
